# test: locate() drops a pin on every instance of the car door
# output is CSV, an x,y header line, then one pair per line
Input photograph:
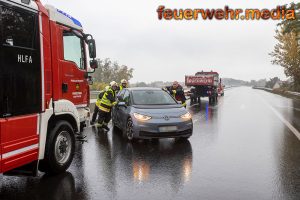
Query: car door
x,y
115,111
124,110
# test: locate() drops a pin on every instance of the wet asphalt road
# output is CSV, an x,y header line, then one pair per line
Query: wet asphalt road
x,y
243,148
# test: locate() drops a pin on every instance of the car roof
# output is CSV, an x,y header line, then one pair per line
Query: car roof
x,y
143,89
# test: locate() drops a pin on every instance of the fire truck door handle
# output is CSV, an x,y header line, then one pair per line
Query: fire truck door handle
x,y
64,87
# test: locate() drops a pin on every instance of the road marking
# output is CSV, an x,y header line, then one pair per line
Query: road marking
x,y
288,124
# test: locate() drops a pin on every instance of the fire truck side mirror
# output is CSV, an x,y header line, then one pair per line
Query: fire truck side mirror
x,y
94,64
92,48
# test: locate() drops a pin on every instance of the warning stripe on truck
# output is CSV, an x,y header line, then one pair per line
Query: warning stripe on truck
x,y
19,151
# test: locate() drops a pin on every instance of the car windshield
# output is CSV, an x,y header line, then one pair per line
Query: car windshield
x,y
152,97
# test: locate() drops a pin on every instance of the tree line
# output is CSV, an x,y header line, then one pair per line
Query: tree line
x,y
286,52
108,71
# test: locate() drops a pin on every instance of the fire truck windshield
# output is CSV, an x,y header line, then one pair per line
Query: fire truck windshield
x,y
74,49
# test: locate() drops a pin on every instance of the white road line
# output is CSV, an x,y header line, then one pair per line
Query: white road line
x,y
288,124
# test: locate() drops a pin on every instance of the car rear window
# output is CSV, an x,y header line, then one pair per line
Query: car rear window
x,y
152,97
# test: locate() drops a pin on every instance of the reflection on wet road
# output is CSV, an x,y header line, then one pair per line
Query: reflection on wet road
x,y
240,150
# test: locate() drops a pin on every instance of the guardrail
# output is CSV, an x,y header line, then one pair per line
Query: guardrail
x,y
271,90
294,93
263,88
94,92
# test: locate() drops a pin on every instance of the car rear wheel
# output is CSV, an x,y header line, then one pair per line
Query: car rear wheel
x,y
129,129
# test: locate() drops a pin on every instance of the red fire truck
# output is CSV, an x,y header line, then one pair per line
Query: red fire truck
x,y
44,93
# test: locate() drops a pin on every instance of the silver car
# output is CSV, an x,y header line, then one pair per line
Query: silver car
x,y
147,113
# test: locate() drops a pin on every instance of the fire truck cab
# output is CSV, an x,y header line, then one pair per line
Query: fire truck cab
x,y
44,93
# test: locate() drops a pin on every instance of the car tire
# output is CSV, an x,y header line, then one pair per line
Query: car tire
x,y
60,148
128,132
115,127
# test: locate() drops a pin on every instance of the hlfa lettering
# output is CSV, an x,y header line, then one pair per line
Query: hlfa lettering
x,y
24,59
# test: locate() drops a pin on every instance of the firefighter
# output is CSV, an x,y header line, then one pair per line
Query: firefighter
x,y
107,102
124,84
96,110
176,90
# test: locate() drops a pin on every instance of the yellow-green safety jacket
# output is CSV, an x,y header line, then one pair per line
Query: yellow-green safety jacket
x,y
99,97
108,100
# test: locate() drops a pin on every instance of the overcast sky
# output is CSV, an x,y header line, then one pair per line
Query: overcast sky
x,y
129,32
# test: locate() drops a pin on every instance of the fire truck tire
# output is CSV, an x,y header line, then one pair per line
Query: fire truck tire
x,y
60,148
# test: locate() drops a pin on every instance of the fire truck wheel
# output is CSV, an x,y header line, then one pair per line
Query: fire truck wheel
x,y
60,147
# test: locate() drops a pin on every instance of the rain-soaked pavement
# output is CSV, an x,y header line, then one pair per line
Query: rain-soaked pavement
x,y
243,148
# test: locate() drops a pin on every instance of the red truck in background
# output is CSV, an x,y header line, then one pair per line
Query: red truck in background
x,y
44,95
204,84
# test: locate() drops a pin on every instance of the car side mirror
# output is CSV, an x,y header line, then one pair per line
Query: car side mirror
x,y
92,48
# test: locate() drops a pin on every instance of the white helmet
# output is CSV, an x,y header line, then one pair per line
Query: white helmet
x,y
113,83
124,81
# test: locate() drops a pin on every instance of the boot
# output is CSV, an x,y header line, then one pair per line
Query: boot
x,y
104,126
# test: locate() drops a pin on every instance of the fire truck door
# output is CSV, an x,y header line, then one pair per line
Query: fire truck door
x,y
74,82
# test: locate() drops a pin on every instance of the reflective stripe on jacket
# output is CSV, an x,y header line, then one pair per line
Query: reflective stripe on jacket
x,y
99,97
107,101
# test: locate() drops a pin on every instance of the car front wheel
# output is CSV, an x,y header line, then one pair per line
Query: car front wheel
x,y
129,129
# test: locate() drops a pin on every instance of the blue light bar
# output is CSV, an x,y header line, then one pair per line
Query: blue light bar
x,y
75,21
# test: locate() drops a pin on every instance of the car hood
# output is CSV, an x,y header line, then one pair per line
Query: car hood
x,y
157,106
161,111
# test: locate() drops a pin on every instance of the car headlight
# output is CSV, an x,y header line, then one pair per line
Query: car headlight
x,y
186,116
141,117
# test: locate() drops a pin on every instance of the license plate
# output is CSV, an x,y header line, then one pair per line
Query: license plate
x,y
167,128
